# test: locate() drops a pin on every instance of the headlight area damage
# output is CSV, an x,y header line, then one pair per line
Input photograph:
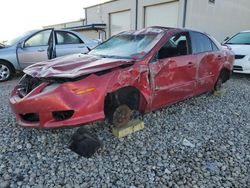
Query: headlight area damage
x,y
66,98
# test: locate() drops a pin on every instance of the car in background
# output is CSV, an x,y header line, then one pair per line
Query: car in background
x,y
1,45
41,45
140,70
240,45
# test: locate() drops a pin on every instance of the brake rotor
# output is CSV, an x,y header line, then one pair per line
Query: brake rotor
x,y
121,116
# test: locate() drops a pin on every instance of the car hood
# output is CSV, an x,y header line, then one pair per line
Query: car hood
x,y
6,48
240,49
2,46
73,66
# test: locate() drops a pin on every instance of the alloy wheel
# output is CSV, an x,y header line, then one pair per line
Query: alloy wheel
x,y
4,72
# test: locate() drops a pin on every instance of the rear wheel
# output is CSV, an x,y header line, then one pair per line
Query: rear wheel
x,y
5,71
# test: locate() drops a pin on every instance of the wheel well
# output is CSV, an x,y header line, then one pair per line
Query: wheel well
x,y
127,95
13,70
225,74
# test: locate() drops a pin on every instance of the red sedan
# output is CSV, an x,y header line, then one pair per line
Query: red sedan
x,y
137,70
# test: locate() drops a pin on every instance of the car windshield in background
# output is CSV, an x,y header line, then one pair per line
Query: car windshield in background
x,y
240,38
128,45
16,39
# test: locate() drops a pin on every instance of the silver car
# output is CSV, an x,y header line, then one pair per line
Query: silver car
x,y
42,45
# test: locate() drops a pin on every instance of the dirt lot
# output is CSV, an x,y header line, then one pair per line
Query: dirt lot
x,y
200,142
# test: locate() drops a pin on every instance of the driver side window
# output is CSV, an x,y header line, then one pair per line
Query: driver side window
x,y
39,39
177,45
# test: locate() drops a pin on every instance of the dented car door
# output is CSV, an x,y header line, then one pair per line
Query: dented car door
x,y
210,60
173,71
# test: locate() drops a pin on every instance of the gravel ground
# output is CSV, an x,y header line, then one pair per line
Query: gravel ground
x,y
200,142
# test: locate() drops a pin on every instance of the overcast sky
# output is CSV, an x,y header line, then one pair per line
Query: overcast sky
x,y
18,16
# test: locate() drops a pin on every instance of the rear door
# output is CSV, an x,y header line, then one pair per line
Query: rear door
x,y
69,43
34,49
173,71
210,59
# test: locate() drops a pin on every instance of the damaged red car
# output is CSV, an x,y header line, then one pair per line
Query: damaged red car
x,y
140,70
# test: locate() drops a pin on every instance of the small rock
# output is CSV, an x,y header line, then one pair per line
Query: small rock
x,y
28,146
19,146
187,143
132,186
166,171
6,177
199,155
39,156
4,184
223,168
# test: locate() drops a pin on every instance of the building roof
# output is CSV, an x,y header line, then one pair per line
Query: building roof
x,y
88,27
64,24
109,1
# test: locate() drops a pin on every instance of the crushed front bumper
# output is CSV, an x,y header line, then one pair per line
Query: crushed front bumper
x,y
54,106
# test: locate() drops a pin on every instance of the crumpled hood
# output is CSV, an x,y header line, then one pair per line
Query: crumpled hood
x,y
73,66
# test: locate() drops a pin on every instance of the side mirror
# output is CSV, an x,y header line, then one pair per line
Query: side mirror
x,y
225,40
21,45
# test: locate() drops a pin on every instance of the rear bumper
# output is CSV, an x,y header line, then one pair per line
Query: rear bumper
x,y
43,105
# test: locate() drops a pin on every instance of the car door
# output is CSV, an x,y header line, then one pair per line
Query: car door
x,y
209,58
69,43
173,71
34,49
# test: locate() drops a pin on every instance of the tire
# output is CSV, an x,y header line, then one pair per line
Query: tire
x,y
6,71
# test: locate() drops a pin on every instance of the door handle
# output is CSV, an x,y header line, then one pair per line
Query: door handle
x,y
81,46
41,50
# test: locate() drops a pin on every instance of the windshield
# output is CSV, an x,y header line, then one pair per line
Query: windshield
x,y
240,38
16,39
128,45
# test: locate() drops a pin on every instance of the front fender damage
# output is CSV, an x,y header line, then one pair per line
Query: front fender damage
x,y
136,77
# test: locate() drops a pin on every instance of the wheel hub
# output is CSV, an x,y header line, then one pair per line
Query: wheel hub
x,y
4,72
121,116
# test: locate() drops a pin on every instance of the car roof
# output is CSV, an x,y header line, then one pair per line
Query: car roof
x,y
159,29
247,31
176,28
186,30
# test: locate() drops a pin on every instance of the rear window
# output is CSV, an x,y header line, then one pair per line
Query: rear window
x,y
240,38
201,43
63,37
